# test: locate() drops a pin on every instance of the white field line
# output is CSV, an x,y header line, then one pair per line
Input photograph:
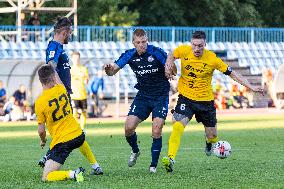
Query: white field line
x,y
144,130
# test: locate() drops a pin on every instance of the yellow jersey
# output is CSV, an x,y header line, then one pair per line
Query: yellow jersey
x,y
196,73
53,109
79,75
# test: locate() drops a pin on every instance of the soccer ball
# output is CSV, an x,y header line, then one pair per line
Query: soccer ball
x,y
222,149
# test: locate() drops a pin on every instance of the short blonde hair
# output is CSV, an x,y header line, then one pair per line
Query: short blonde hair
x,y
139,32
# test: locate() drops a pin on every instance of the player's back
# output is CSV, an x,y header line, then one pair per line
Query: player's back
x,y
53,108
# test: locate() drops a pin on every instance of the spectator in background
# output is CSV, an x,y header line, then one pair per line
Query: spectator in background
x,y
96,87
33,21
21,101
2,97
11,111
20,96
267,81
247,97
235,95
79,80
2,93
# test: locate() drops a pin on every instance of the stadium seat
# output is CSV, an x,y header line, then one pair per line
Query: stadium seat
x,y
260,45
279,53
237,46
113,45
243,62
256,53
252,46
4,45
96,45
220,46
41,45
87,45
231,54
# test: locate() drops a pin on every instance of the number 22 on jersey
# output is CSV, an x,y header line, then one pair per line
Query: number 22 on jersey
x,y
61,105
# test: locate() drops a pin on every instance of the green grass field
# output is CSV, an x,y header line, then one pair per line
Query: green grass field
x,y
257,160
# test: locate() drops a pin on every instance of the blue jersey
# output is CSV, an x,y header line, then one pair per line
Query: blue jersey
x,y
95,84
149,69
56,53
2,92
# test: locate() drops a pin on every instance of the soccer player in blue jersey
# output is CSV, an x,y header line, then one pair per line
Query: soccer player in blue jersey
x,y
147,62
56,53
56,56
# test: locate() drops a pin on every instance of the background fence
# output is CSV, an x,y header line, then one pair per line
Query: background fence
x,y
174,34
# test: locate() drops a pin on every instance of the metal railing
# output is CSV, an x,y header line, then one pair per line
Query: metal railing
x,y
173,34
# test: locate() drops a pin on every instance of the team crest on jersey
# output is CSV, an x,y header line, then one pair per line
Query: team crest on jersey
x,y
150,58
51,54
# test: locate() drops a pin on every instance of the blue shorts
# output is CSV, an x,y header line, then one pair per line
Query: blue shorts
x,y
143,105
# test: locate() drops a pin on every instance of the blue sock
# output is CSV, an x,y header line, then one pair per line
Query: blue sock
x,y
156,150
132,141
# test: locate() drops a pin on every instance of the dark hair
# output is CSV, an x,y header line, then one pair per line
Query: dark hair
x,y
199,35
62,23
46,73
139,33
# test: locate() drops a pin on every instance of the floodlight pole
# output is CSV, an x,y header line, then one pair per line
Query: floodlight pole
x,y
19,21
20,6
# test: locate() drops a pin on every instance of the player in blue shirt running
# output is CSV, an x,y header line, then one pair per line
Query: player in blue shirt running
x,y
147,62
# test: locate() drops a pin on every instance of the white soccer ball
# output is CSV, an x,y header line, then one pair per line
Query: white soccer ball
x,y
222,149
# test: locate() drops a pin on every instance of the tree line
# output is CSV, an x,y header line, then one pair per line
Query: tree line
x,y
201,13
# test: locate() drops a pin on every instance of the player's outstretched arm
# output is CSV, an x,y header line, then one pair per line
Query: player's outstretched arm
x,y
243,81
170,67
111,69
42,134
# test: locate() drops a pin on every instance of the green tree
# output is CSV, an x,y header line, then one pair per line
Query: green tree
x,y
272,12
106,12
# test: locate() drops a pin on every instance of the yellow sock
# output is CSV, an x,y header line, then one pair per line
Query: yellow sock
x,y
75,113
87,152
83,117
212,140
58,175
174,140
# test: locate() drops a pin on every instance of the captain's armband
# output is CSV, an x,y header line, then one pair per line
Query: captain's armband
x,y
228,71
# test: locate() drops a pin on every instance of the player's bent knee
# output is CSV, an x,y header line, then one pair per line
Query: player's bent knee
x,y
180,118
129,130
156,133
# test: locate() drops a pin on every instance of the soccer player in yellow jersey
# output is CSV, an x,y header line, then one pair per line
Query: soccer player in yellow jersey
x,y
79,79
53,111
195,92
